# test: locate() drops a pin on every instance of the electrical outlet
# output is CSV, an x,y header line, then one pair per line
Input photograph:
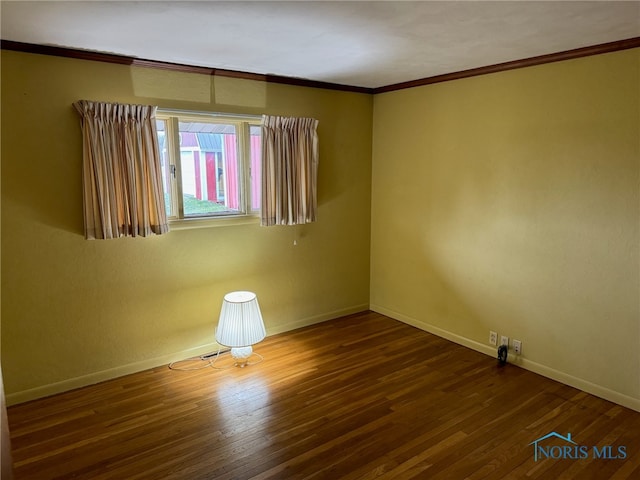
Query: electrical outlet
x,y
504,341
493,338
517,347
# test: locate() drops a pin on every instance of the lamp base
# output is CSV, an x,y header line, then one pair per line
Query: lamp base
x,y
241,355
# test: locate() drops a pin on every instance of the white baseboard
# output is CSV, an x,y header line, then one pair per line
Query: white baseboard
x,y
96,377
318,319
545,371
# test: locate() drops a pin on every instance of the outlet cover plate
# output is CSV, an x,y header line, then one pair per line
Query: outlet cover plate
x,y
517,347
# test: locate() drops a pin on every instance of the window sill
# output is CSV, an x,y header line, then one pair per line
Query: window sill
x,y
209,222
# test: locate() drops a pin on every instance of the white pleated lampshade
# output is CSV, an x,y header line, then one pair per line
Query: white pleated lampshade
x,y
240,323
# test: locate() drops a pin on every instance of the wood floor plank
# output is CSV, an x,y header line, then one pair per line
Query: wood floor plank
x,y
359,397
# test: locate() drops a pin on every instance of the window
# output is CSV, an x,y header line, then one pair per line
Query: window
x,y
210,164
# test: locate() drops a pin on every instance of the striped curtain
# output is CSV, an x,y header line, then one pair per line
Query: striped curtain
x,y
289,170
121,171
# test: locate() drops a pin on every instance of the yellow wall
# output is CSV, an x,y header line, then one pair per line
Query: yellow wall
x,y
511,202
77,311
507,202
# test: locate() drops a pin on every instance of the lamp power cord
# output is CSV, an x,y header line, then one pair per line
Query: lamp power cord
x,y
210,360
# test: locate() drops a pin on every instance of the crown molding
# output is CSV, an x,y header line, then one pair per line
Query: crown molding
x,y
176,67
301,82
512,65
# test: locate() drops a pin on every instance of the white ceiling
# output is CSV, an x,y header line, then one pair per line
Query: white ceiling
x,y
367,44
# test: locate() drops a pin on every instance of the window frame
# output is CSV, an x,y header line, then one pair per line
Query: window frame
x,y
242,124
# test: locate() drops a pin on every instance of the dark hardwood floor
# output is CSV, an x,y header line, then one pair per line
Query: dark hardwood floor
x,y
359,397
